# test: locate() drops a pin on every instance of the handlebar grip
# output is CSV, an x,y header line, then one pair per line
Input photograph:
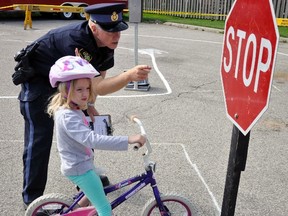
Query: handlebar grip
x,y
147,144
136,146
133,117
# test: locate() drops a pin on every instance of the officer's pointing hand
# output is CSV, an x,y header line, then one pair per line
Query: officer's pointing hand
x,y
138,73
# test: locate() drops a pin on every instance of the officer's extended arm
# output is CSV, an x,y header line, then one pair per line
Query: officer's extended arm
x,y
109,85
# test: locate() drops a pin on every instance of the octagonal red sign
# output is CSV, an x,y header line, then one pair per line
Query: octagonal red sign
x,y
248,58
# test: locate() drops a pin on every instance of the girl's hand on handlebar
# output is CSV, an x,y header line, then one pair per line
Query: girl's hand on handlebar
x,y
140,139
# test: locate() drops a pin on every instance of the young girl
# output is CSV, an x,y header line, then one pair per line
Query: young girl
x,y
75,140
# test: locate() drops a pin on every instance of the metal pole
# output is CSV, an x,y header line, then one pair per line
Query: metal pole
x,y
236,164
136,44
136,50
135,16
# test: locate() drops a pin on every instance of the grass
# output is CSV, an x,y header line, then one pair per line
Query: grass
x,y
218,24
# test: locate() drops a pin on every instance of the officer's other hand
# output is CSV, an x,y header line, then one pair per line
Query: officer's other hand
x,y
139,72
77,52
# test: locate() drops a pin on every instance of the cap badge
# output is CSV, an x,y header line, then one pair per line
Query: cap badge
x,y
114,16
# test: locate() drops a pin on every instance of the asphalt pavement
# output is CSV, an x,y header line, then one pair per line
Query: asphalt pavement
x,y
184,116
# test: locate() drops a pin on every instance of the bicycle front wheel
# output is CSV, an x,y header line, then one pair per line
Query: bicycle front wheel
x,y
49,204
174,204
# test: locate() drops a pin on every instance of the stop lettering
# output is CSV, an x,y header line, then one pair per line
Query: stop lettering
x,y
250,50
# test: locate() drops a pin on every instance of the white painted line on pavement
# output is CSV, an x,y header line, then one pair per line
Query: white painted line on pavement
x,y
194,166
202,179
280,53
275,87
8,97
174,38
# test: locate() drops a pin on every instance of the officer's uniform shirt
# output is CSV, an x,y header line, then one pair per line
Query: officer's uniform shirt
x,y
61,42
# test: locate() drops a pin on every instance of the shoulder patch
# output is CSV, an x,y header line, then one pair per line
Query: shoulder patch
x,y
85,55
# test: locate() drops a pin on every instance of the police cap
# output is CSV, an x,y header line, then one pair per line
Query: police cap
x,y
108,16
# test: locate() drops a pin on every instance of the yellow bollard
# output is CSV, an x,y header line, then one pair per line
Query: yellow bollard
x,y
28,17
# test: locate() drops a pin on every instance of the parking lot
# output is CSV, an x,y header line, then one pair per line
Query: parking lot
x,y
183,114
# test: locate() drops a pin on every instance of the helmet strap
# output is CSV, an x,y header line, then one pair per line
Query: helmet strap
x,y
72,104
68,84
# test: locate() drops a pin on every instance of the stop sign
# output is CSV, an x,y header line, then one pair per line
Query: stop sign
x,y
248,59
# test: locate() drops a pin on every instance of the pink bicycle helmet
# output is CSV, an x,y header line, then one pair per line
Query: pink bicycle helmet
x,y
69,68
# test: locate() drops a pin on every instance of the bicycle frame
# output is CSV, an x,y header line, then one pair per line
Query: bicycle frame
x,y
143,180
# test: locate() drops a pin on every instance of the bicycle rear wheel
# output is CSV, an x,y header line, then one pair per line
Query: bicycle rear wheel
x,y
175,205
49,204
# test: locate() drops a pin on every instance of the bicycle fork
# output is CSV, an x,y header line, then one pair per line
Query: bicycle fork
x,y
164,211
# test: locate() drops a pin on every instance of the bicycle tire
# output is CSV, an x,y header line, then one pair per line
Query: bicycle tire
x,y
177,205
49,204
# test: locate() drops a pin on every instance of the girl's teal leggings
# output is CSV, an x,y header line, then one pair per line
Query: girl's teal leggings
x,y
92,187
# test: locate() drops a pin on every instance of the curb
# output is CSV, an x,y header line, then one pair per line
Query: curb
x,y
200,28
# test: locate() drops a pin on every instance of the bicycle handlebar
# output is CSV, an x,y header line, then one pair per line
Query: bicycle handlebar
x,y
143,132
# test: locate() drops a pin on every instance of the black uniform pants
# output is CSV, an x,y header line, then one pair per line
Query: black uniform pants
x,y
37,146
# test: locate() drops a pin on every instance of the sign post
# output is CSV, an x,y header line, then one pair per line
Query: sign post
x,y
135,16
236,164
248,58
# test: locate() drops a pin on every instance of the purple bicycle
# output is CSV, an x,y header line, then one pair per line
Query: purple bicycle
x,y
160,204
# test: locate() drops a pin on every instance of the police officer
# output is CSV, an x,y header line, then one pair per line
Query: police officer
x,y
94,40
